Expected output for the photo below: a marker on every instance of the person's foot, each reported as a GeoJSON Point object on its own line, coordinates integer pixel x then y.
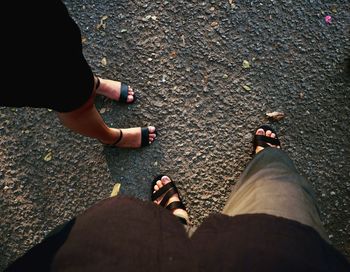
{"type": "Point", "coordinates": [112, 90]}
{"type": "Point", "coordinates": [131, 137]}
{"type": "Point", "coordinates": [179, 212]}
{"type": "Point", "coordinates": [268, 134]}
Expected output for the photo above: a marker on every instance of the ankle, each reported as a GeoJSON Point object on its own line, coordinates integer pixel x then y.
{"type": "Point", "coordinates": [112, 138]}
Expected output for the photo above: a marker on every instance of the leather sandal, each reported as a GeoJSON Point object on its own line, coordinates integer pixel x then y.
{"type": "Point", "coordinates": [144, 138]}
{"type": "Point", "coordinates": [124, 88]}
{"type": "Point", "coordinates": [167, 191]}
{"type": "Point", "coordinates": [264, 141]}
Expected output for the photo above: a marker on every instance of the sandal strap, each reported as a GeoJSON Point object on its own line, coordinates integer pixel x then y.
{"type": "Point", "coordinates": [117, 141]}
{"type": "Point", "coordinates": [262, 140]}
{"type": "Point", "coordinates": [119, 138]}
{"type": "Point", "coordinates": [176, 205]}
{"type": "Point", "coordinates": [167, 196]}
{"type": "Point", "coordinates": [98, 82]}
{"type": "Point", "coordinates": [182, 220]}
{"type": "Point", "coordinates": [123, 92]}
{"type": "Point", "coordinates": [144, 136]}
{"type": "Point", "coordinates": [162, 190]}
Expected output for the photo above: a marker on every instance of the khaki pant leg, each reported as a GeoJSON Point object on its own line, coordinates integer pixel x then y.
{"type": "Point", "coordinates": [271, 185]}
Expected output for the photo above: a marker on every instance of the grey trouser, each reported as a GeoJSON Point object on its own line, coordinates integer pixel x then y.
{"type": "Point", "coordinates": [270, 184]}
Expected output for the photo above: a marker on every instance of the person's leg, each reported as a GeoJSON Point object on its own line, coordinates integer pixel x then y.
{"type": "Point", "coordinates": [87, 121]}
{"type": "Point", "coordinates": [271, 184]}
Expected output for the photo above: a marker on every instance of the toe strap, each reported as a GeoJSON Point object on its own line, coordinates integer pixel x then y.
{"type": "Point", "coordinates": [144, 137]}
{"type": "Point", "coordinates": [172, 191]}
{"type": "Point", "coordinates": [123, 92]}
{"type": "Point", "coordinates": [262, 140]}
{"type": "Point", "coordinates": [162, 190]}
{"type": "Point", "coordinates": [169, 190]}
{"type": "Point", "coordinates": [176, 205]}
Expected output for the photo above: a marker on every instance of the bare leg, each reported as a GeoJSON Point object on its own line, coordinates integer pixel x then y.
{"type": "Point", "coordinates": [88, 122]}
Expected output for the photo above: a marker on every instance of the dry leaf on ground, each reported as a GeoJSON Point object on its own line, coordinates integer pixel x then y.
{"type": "Point", "coordinates": [48, 156]}
{"type": "Point", "coordinates": [276, 115]}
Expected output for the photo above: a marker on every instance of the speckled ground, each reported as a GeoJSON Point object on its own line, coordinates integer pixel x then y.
{"type": "Point", "coordinates": [185, 58]}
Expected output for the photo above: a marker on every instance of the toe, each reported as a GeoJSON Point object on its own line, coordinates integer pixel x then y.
{"type": "Point", "coordinates": [159, 184]}
{"type": "Point", "coordinates": [156, 188]}
{"type": "Point", "coordinates": [165, 179]}
{"type": "Point", "coordinates": [268, 133]}
{"type": "Point", "coordinates": [130, 98]}
{"type": "Point", "coordinates": [273, 135]}
{"type": "Point", "coordinates": [260, 131]}
{"type": "Point", "coordinates": [151, 129]}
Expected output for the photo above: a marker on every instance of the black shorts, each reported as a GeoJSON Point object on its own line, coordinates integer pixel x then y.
{"type": "Point", "coordinates": [42, 58]}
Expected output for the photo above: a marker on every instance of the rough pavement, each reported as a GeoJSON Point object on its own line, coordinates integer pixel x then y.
{"type": "Point", "coordinates": [185, 58]}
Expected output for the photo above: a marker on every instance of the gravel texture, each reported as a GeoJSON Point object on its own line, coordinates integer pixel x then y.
{"type": "Point", "coordinates": [186, 60]}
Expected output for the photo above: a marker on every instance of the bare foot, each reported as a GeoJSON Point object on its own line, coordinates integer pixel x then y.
{"type": "Point", "coordinates": [111, 89]}
{"type": "Point", "coordinates": [269, 134]}
{"type": "Point", "coordinates": [177, 212]}
{"type": "Point", "coordinates": [132, 137]}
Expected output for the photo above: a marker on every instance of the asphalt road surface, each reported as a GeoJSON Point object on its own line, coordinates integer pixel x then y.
{"type": "Point", "coordinates": [207, 72]}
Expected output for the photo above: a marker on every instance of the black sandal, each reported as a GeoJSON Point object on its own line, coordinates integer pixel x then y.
{"type": "Point", "coordinates": [124, 88]}
{"type": "Point", "coordinates": [144, 138]}
{"type": "Point", "coordinates": [264, 141]}
{"type": "Point", "coordinates": [168, 191]}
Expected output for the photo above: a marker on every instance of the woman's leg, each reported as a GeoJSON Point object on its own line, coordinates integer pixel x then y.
{"type": "Point", "coordinates": [271, 184]}
{"type": "Point", "coordinates": [87, 121]}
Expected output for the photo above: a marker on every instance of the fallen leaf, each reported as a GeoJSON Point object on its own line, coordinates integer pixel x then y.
{"type": "Point", "coordinates": [247, 88]}
{"type": "Point", "coordinates": [48, 156]}
{"type": "Point", "coordinates": [214, 24]}
{"type": "Point", "coordinates": [246, 64]}
{"type": "Point", "coordinates": [173, 54]}
{"type": "Point", "coordinates": [276, 115]}
{"type": "Point", "coordinates": [183, 40]}
{"type": "Point", "coordinates": [147, 17]}
{"type": "Point", "coordinates": [102, 23]}
{"type": "Point", "coordinates": [123, 30]}
{"type": "Point", "coordinates": [103, 110]}
{"type": "Point", "coordinates": [231, 2]}
{"type": "Point", "coordinates": [104, 61]}
{"type": "Point", "coordinates": [225, 76]}
{"type": "Point", "coordinates": [116, 189]}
